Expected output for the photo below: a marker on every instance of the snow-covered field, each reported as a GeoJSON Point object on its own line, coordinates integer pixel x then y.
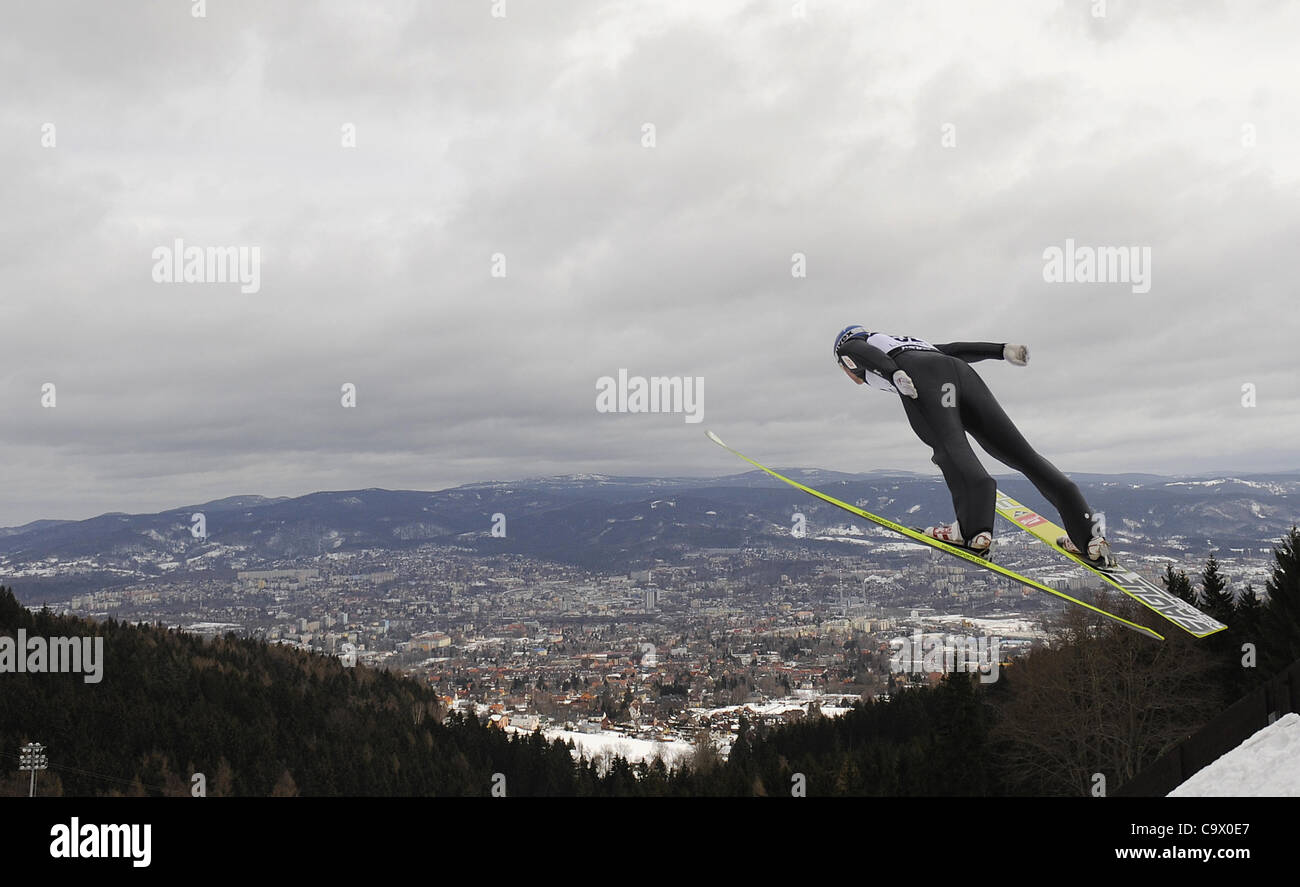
{"type": "Point", "coordinates": [1004, 626]}
{"type": "Point", "coordinates": [1265, 765]}
{"type": "Point", "coordinates": [606, 744]}
{"type": "Point", "coordinates": [779, 706]}
{"type": "Point", "coordinates": [595, 745]}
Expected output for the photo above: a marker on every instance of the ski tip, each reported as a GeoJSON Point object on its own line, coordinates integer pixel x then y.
{"type": "Point", "coordinates": [713, 437]}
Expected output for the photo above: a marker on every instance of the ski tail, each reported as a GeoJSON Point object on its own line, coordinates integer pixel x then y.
{"type": "Point", "coordinates": [1145, 592]}
{"type": "Point", "coordinates": [957, 551]}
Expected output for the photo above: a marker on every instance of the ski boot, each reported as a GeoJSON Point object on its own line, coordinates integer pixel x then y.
{"type": "Point", "coordinates": [1098, 553]}
{"type": "Point", "coordinates": [981, 544]}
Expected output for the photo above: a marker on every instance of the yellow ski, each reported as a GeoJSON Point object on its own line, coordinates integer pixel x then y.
{"type": "Point", "coordinates": [957, 551]}
{"type": "Point", "coordinates": [1150, 595]}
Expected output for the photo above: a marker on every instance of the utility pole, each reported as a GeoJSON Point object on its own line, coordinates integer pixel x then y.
{"type": "Point", "coordinates": [32, 757]}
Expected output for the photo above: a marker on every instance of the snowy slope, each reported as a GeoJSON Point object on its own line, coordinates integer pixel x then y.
{"type": "Point", "coordinates": [1267, 763]}
{"type": "Point", "coordinates": [594, 745]}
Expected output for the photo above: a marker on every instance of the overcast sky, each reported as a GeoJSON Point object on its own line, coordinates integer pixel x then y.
{"type": "Point", "coordinates": [1163, 125]}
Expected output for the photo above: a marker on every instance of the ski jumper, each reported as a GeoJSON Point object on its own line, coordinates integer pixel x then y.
{"type": "Point", "coordinates": [942, 417]}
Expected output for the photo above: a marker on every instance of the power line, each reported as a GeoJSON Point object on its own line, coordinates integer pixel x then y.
{"type": "Point", "coordinates": [67, 768]}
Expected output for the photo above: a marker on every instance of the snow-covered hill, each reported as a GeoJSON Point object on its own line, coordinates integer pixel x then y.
{"type": "Point", "coordinates": [1266, 764]}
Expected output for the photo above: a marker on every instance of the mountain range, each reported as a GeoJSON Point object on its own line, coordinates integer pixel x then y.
{"type": "Point", "coordinates": [606, 522]}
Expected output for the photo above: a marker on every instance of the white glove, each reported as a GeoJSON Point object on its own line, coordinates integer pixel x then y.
{"type": "Point", "coordinates": [1016, 354]}
{"type": "Point", "coordinates": [903, 382]}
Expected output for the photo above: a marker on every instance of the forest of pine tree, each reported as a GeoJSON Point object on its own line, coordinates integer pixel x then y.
{"type": "Point", "coordinates": [260, 719]}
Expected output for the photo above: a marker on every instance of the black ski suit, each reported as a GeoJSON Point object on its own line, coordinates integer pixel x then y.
{"type": "Point", "coordinates": [942, 417]}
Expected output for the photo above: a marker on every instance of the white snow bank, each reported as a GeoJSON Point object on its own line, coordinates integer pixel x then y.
{"type": "Point", "coordinates": [595, 744]}
{"type": "Point", "coordinates": [1266, 764]}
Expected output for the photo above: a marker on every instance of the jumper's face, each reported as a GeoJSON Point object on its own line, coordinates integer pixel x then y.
{"type": "Point", "coordinates": [848, 372]}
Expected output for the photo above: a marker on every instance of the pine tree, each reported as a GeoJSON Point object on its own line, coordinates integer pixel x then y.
{"type": "Point", "coordinates": [285, 787]}
{"type": "Point", "coordinates": [1249, 609]}
{"type": "Point", "coordinates": [1176, 582]}
{"type": "Point", "coordinates": [1216, 599]}
{"type": "Point", "coordinates": [1280, 617]}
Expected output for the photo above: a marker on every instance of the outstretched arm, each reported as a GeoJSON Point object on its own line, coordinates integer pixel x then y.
{"type": "Point", "coordinates": [973, 351]}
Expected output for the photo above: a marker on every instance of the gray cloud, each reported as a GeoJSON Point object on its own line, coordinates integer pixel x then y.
{"type": "Point", "coordinates": [522, 136]}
